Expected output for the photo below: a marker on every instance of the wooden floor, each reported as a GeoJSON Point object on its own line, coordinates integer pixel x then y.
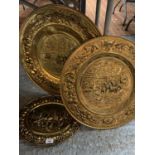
{"type": "Point", "coordinates": [116, 27]}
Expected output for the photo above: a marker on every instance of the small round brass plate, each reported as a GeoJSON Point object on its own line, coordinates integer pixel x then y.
{"type": "Point", "coordinates": [45, 121]}
{"type": "Point", "coordinates": [97, 84]}
{"type": "Point", "coordinates": [48, 36]}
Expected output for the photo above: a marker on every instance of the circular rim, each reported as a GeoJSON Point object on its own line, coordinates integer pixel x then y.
{"type": "Point", "coordinates": [40, 139]}
{"type": "Point", "coordinates": [130, 111]}
{"type": "Point", "coordinates": [50, 84]}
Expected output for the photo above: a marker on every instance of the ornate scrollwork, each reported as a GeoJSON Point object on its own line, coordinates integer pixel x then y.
{"type": "Point", "coordinates": [46, 118]}
{"type": "Point", "coordinates": [88, 85]}
{"type": "Point", "coordinates": [41, 18]}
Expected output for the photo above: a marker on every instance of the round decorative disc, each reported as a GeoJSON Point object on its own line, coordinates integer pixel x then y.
{"type": "Point", "coordinates": [47, 38]}
{"type": "Point", "coordinates": [45, 121]}
{"type": "Point", "coordinates": [98, 84]}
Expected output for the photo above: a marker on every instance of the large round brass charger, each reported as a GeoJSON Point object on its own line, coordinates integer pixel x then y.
{"type": "Point", "coordinates": [97, 84]}
{"type": "Point", "coordinates": [48, 36]}
{"type": "Point", "coordinates": [46, 122]}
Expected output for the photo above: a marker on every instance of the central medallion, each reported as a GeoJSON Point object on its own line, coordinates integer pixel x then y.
{"type": "Point", "coordinates": [105, 85]}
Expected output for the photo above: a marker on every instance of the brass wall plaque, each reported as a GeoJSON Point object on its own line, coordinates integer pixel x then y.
{"type": "Point", "coordinates": [97, 84]}
{"type": "Point", "coordinates": [45, 121]}
{"type": "Point", "coordinates": [48, 36]}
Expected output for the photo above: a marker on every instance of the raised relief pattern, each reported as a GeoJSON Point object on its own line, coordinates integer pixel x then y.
{"type": "Point", "coordinates": [101, 83]}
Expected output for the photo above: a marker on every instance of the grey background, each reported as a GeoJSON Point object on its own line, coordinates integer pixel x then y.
{"type": "Point", "coordinates": [86, 141]}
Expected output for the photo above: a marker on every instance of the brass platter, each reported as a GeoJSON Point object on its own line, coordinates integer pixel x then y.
{"type": "Point", "coordinates": [48, 36]}
{"type": "Point", "coordinates": [97, 84]}
{"type": "Point", "coordinates": [45, 121]}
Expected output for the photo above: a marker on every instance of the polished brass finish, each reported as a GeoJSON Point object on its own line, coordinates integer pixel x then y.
{"type": "Point", "coordinates": [47, 38]}
{"type": "Point", "coordinates": [46, 122]}
{"type": "Point", "coordinates": [97, 85]}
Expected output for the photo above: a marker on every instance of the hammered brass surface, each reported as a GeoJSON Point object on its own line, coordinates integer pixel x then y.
{"type": "Point", "coordinates": [47, 38]}
{"type": "Point", "coordinates": [45, 121]}
{"type": "Point", "coordinates": [98, 83]}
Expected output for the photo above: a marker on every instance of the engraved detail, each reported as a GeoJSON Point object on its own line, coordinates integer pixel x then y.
{"type": "Point", "coordinates": [50, 21]}
{"type": "Point", "coordinates": [113, 86]}
{"type": "Point", "coordinates": [105, 85]}
{"type": "Point", "coordinates": [53, 50]}
{"type": "Point", "coordinates": [49, 121]}
{"type": "Point", "coordinates": [46, 118]}
{"type": "Point", "coordinates": [61, 59]}
{"type": "Point", "coordinates": [98, 83]}
{"type": "Point", "coordinates": [109, 84]}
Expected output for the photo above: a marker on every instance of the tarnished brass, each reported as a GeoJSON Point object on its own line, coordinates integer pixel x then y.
{"type": "Point", "coordinates": [47, 38]}
{"type": "Point", "coordinates": [98, 84]}
{"type": "Point", "coordinates": [45, 121]}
